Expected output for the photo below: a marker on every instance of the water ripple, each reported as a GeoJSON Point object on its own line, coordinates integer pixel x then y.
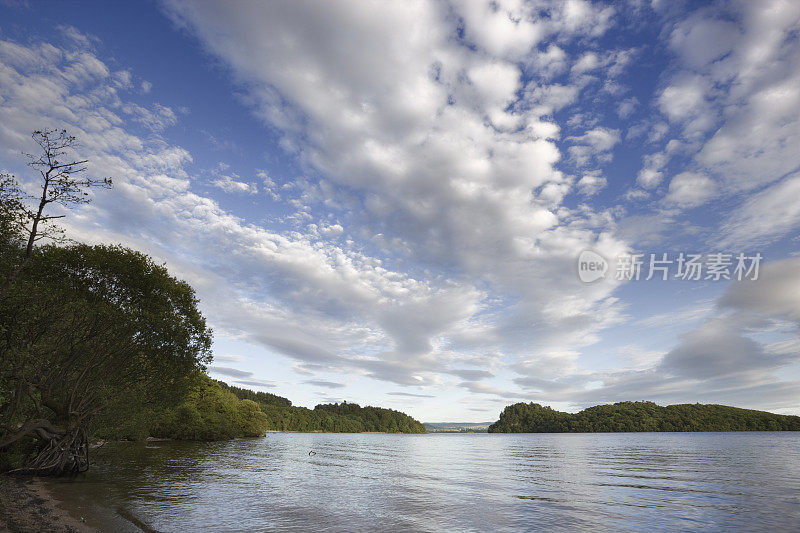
{"type": "Point", "coordinates": [552, 482]}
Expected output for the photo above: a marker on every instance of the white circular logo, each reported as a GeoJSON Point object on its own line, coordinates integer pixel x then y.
{"type": "Point", "coordinates": [591, 266]}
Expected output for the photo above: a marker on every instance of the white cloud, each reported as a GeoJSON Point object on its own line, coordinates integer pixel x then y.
{"type": "Point", "coordinates": [720, 361]}
{"type": "Point", "coordinates": [71, 33]}
{"type": "Point", "coordinates": [651, 174]}
{"type": "Point", "coordinates": [595, 143]}
{"type": "Point", "coordinates": [766, 216]}
{"type": "Point", "coordinates": [550, 62]}
{"type": "Point", "coordinates": [690, 189]}
{"type": "Point", "coordinates": [429, 241]}
{"type": "Point", "coordinates": [502, 30]}
{"type": "Point", "coordinates": [626, 108]}
{"type": "Point", "coordinates": [547, 99]}
{"type": "Point", "coordinates": [319, 302]}
{"type": "Point", "coordinates": [737, 92]}
{"type": "Point", "coordinates": [700, 40]}
{"type": "Point", "coordinates": [231, 185]}
{"type": "Point", "coordinates": [684, 98]}
{"type": "Point", "coordinates": [400, 128]}
{"type": "Point", "coordinates": [157, 118]}
{"type": "Point", "coordinates": [495, 82]}
{"type": "Point", "coordinates": [591, 183]}
{"type": "Point", "coordinates": [649, 178]}
{"type": "Point", "coordinates": [588, 61]}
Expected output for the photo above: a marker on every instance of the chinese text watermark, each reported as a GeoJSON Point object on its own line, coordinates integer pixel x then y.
{"type": "Point", "coordinates": [665, 266]}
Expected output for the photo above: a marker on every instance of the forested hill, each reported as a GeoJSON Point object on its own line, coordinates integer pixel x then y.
{"type": "Point", "coordinates": [342, 418]}
{"type": "Point", "coordinates": [261, 398]}
{"type": "Point", "coordinates": [639, 416]}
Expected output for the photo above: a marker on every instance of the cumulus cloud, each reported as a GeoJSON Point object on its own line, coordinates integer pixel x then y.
{"type": "Point", "coordinates": [596, 142]}
{"type": "Point", "coordinates": [231, 185]}
{"type": "Point", "coordinates": [591, 183]}
{"type": "Point", "coordinates": [649, 177]}
{"type": "Point", "coordinates": [431, 240]}
{"type": "Point", "coordinates": [701, 39]}
{"type": "Point", "coordinates": [461, 174]}
{"type": "Point", "coordinates": [684, 100]}
{"type": "Point", "coordinates": [735, 94]}
{"type": "Point", "coordinates": [690, 189]}
{"type": "Point", "coordinates": [310, 281]}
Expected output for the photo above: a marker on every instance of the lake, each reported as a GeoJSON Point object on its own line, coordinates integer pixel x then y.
{"type": "Point", "coordinates": [448, 482]}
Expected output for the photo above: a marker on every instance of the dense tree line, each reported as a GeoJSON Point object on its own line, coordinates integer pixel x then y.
{"type": "Point", "coordinates": [214, 410]}
{"type": "Point", "coordinates": [639, 416]}
{"type": "Point", "coordinates": [261, 398]}
{"type": "Point", "coordinates": [337, 417]}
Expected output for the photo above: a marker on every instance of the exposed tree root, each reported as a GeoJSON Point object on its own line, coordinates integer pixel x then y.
{"type": "Point", "coordinates": [63, 452]}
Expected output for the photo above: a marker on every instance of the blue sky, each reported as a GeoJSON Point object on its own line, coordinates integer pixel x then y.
{"type": "Point", "coordinates": [385, 202]}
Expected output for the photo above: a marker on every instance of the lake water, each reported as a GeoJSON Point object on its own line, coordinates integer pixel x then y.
{"type": "Point", "coordinates": [449, 482]}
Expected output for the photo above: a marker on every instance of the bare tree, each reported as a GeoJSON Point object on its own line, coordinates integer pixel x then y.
{"type": "Point", "coordinates": [61, 183]}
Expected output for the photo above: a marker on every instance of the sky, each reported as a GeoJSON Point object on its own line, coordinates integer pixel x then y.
{"type": "Point", "coordinates": [386, 202]}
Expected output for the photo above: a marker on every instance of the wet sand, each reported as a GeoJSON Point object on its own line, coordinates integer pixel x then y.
{"type": "Point", "coordinates": [26, 505]}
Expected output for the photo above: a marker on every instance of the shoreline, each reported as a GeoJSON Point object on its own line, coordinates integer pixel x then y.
{"type": "Point", "coordinates": [341, 432]}
{"type": "Point", "coordinates": [27, 505]}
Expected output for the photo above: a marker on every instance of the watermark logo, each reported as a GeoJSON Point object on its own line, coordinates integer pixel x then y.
{"type": "Point", "coordinates": [665, 266]}
{"type": "Point", "coordinates": [591, 266]}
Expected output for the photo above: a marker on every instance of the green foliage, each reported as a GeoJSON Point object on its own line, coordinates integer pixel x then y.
{"type": "Point", "coordinates": [261, 398]}
{"type": "Point", "coordinates": [210, 412]}
{"type": "Point", "coordinates": [94, 337]}
{"type": "Point", "coordinates": [214, 410]}
{"type": "Point", "coordinates": [13, 215]}
{"type": "Point", "coordinates": [370, 418]}
{"type": "Point", "coordinates": [336, 418]}
{"type": "Point", "coordinates": [99, 322]}
{"type": "Point", "coordinates": [639, 416]}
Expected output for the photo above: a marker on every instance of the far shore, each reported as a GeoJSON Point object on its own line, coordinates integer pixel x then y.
{"type": "Point", "coordinates": [347, 432]}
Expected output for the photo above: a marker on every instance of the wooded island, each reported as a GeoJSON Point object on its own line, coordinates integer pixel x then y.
{"type": "Point", "coordinates": [639, 416]}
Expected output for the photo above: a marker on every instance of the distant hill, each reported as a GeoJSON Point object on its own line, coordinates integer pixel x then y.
{"type": "Point", "coordinates": [639, 416]}
{"type": "Point", "coordinates": [334, 417]}
{"type": "Point", "coordinates": [457, 427]}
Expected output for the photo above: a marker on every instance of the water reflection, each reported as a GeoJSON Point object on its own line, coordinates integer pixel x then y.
{"type": "Point", "coordinates": [603, 482]}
